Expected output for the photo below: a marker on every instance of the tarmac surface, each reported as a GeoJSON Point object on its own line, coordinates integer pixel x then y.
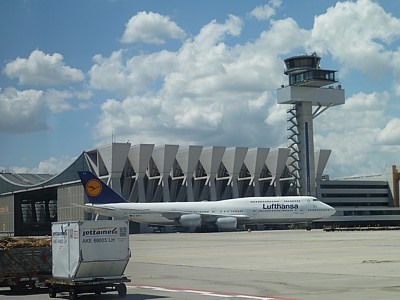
{"type": "Point", "coordinates": [274, 265]}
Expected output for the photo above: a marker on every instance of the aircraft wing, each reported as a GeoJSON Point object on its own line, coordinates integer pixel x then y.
{"type": "Point", "coordinates": [210, 218]}
{"type": "Point", "coordinates": [206, 217]}
{"type": "Point", "coordinates": [171, 215]}
{"type": "Point", "coordinates": [104, 211]}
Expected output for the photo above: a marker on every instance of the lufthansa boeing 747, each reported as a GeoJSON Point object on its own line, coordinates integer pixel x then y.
{"type": "Point", "coordinates": [224, 214]}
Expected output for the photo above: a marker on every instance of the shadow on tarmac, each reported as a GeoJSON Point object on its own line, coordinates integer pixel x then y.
{"type": "Point", "coordinates": [112, 295]}
{"type": "Point", "coordinates": [25, 292]}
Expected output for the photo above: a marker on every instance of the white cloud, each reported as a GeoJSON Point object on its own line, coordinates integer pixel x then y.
{"type": "Point", "coordinates": [360, 36]}
{"type": "Point", "coordinates": [63, 100]}
{"type": "Point", "coordinates": [42, 69]}
{"type": "Point", "coordinates": [217, 90]}
{"type": "Point", "coordinates": [396, 66]}
{"type": "Point", "coordinates": [202, 61]}
{"type": "Point", "coordinates": [136, 75]}
{"type": "Point", "coordinates": [396, 87]}
{"type": "Point", "coordinates": [282, 38]}
{"type": "Point", "coordinates": [266, 11]}
{"type": "Point", "coordinates": [51, 165]}
{"type": "Point", "coordinates": [192, 116]}
{"type": "Point", "coordinates": [57, 100]}
{"type": "Point", "coordinates": [390, 135]}
{"type": "Point", "coordinates": [151, 28]}
{"type": "Point", "coordinates": [25, 111]}
{"type": "Point", "coordinates": [360, 112]}
{"type": "Point", "coordinates": [21, 111]}
{"type": "Point", "coordinates": [351, 130]}
{"type": "Point", "coordinates": [260, 102]}
{"type": "Point", "coordinates": [357, 35]}
{"type": "Point", "coordinates": [123, 117]}
{"type": "Point", "coordinates": [214, 32]}
{"type": "Point", "coordinates": [354, 152]}
{"type": "Point", "coordinates": [206, 92]}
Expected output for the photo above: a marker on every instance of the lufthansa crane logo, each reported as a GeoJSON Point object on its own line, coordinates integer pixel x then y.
{"type": "Point", "coordinates": [93, 187]}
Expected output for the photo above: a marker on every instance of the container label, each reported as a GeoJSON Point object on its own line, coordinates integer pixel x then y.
{"type": "Point", "coordinates": [99, 231]}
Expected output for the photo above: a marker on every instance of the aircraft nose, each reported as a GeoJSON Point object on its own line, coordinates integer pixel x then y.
{"type": "Point", "coordinates": [332, 211]}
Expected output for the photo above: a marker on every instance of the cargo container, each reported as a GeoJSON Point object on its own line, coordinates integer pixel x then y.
{"type": "Point", "coordinates": [89, 256]}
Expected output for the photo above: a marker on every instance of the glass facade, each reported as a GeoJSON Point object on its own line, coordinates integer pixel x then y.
{"type": "Point", "coordinates": [7, 215]}
{"type": "Point", "coordinates": [67, 197]}
{"type": "Point", "coordinates": [312, 75]}
{"type": "Point", "coordinates": [301, 63]}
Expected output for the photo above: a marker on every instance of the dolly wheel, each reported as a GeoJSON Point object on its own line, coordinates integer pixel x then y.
{"type": "Point", "coordinates": [52, 292]}
{"type": "Point", "coordinates": [73, 294]}
{"type": "Point", "coordinates": [14, 289]}
{"type": "Point", "coordinates": [121, 288]}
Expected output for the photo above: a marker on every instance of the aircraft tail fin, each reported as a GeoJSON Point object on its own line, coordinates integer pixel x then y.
{"type": "Point", "coordinates": [97, 191]}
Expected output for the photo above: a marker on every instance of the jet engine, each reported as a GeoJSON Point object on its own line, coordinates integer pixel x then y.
{"type": "Point", "coordinates": [190, 220]}
{"type": "Point", "coordinates": [226, 223]}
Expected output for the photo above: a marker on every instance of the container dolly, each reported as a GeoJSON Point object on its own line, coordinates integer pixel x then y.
{"type": "Point", "coordinates": [90, 285]}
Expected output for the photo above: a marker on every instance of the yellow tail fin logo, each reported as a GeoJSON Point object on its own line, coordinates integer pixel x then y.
{"type": "Point", "coordinates": [93, 187]}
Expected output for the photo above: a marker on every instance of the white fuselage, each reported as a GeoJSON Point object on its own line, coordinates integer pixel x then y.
{"type": "Point", "coordinates": [251, 210]}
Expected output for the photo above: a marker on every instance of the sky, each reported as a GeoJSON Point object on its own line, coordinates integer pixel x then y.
{"type": "Point", "coordinates": [75, 75]}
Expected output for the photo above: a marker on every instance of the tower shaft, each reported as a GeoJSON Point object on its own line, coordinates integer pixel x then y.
{"type": "Point", "coordinates": [306, 149]}
{"type": "Point", "coordinates": [309, 86]}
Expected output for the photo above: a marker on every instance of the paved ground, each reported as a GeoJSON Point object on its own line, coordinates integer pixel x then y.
{"type": "Point", "coordinates": [275, 265]}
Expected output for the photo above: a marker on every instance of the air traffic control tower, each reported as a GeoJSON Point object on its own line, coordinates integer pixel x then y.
{"type": "Point", "coordinates": [311, 91]}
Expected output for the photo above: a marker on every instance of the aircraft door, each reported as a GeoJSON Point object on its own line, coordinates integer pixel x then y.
{"type": "Point", "coordinates": [302, 208]}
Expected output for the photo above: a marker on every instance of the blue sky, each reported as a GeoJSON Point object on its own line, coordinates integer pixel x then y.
{"type": "Point", "coordinates": [76, 73]}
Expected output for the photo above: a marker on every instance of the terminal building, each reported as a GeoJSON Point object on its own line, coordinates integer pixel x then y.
{"type": "Point", "coordinates": [174, 173]}
{"type": "Point", "coordinates": [149, 173]}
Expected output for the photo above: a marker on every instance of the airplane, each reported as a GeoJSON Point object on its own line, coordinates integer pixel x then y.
{"type": "Point", "coordinates": [222, 215]}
